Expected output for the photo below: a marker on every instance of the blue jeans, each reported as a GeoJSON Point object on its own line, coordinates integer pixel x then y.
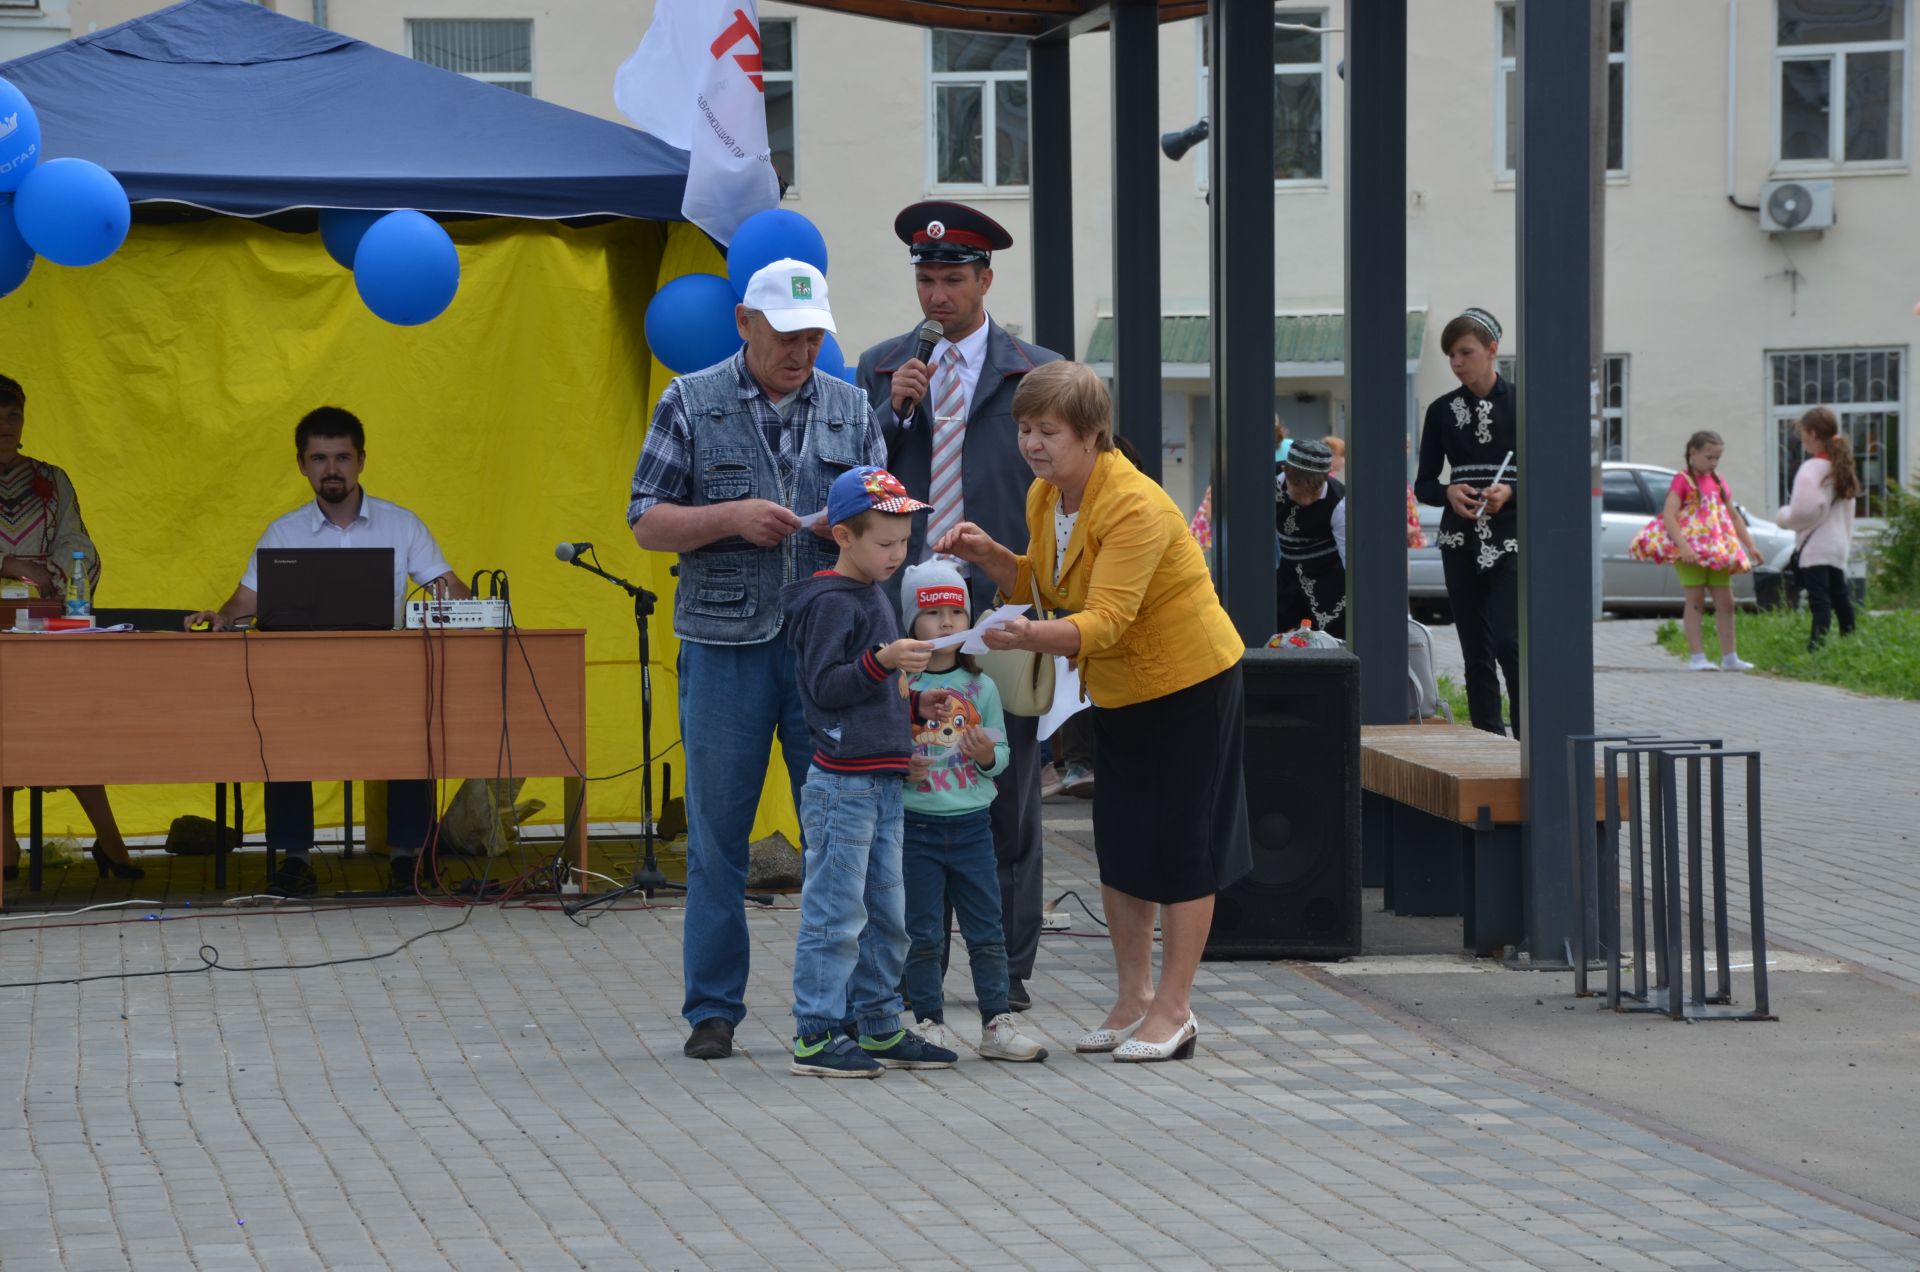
{"type": "Point", "coordinates": [732, 699]}
{"type": "Point", "coordinates": [853, 934]}
{"type": "Point", "coordinates": [951, 859]}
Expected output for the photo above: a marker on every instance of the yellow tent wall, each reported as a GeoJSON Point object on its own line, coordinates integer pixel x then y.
{"type": "Point", "coordinates": [168, 379]}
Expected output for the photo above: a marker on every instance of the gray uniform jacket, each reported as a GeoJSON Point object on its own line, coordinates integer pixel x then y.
{"type": "Point", "coordinates": [993, 477]}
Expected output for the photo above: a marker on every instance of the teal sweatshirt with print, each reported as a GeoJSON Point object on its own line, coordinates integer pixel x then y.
{"type": "Point", "coordinates": [956, 784]}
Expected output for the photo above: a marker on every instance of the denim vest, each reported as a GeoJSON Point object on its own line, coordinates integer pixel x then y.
{"type": "Point", "coordinates": [729, 591]}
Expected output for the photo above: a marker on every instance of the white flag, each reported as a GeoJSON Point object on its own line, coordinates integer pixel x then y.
{"type": "Point", "coordinates": [695, 83]}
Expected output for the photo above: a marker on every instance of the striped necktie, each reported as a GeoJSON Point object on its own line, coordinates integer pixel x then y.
{"type": "Point", "coordinates": [949, 439]}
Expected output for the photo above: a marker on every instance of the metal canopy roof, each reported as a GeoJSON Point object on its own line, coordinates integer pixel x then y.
{"type": "Point", "coordinates": [1000, 17]}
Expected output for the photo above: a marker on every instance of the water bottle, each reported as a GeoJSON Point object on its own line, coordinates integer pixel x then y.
{"type": "Point", "coordinates": [79, 603]}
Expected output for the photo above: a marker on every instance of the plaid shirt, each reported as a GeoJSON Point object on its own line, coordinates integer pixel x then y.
{"type": "Point", "coordinates": [665, 471]}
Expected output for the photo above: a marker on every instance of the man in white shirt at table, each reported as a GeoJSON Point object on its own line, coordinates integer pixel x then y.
{"type": "Point", "coordinates": [330, 444]}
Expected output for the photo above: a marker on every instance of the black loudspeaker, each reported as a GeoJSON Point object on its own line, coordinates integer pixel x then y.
{"type": "Point", "coordinates": [1302, 753]}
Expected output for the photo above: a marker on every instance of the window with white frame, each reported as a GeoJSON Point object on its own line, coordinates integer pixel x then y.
{"type": "Point", "coordinates": [494, 52]}
{"type": "Point", "coordinates": [1840, 87]}
{"type": "Point", "coordinates": [1506, 96]}
{"type": "Point", "coordinates": [776, 73]}
{"type": "Point", "coordinates": [1613, 398]}
{"type": "Point", "coordinates": [1613, 406]}
{"type": "Point", "coordinates": [979, 114]}
{"type": "Point", "coordinates": [1299, 97]}
{"type": "Point", "coordinates": [1863, 387]}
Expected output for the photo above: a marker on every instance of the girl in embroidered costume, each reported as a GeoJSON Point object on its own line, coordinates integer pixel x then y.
{"type": "Point", "coordinates": [40, 530]}
{"type": "Point", "coordinates": [1714, 545]}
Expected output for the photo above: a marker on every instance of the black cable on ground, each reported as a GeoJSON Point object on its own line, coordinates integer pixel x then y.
{"type": "Point", "coordinates": [210, 962]}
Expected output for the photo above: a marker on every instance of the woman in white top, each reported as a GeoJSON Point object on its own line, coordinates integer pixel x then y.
{"type": "Point", "coordinates": [1821, 517]}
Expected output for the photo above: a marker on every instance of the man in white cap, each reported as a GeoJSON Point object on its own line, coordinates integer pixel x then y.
{"type": "Point", "coordinates": [736, 455]}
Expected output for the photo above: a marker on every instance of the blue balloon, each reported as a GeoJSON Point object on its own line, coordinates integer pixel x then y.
{"type": "Point", "coordinates": [690, 323]}
{"type": "Point", "coordinates": [341, 229]}
{"type": "Point", "coordinates": [19, 137]}
{"type": "Point", "coordinates": [773, 235]}
{"type": "Point", "coordinates": [830, 360]}
{"type": "Point", "coordinates": [16, 258]}
{"type": "Point", "coordinates": [407, 268]}
{"type": "Point", "coordinates": [72, 212]}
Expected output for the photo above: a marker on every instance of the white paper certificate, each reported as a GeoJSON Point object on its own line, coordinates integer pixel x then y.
{"type": "Point", "coordinates": [1066, 697]}
{"type": "Point", "coordinates": [969, 640]}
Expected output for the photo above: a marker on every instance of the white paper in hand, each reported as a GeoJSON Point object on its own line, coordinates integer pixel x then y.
{"type": "Point", "coordinates": [994, 618]}
{"type": "Point", "coordinates": [813, 519]}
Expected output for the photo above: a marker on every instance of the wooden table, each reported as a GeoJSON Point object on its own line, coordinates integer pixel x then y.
{"type": "Point", "coordinates": [328, 706]}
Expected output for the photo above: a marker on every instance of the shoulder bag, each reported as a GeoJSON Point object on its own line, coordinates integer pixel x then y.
{"type": "Point", "coordinates": [1023, 676]}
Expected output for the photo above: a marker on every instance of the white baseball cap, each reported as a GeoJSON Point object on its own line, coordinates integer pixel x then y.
{"type": "Point", "coordinates": [792, 294]}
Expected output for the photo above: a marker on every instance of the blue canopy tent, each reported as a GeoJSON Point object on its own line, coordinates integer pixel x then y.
{"type": "Point", "coordinates": [225, 105]}
{"type": "Point", "coordinates": [181, 363]}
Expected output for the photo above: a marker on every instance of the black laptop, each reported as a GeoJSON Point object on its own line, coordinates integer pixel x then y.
{"type": "Point", "coordinates": [324, 589]}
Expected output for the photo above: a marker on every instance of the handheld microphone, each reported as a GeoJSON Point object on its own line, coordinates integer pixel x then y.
{"type": "Point", "coordinates": [568, 551]}
{"type": "Point", "coordinates": [931, 333]}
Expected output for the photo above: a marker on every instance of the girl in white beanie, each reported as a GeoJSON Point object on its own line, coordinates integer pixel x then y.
{"type": "Point", "coordinates": [947, 856]}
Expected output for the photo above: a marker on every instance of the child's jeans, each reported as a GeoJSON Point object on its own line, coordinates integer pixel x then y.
{"type": "Point", "coordinates": [853, 937]}
{"type": "Point", "coordinates": [951, 859]}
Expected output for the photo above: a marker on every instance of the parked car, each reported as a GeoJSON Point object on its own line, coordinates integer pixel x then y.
{"type": "Point", "coordinates": [1631, 495]}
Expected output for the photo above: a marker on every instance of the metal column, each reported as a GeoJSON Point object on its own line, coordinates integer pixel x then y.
{"type": "Point", "coordinates": [1136, 226]}
{"type": "Point", "coordinates": [1240, 154]}
{"type": "Point", "coordinates": [1376, 98]}
{"type": "Point", "coordinates": [1051, 186]}
{"type": "Point", "coordinates": [1554, 183]}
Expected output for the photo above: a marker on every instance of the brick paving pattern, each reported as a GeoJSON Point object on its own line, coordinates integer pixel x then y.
{"type": "Point", "coordinates": [511, 1095]}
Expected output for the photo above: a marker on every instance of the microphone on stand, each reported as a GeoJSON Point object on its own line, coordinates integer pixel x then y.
{"type": "Point", "coordinates": [572, 554]}
{"type": "Point", "coordinates": [931, 333]}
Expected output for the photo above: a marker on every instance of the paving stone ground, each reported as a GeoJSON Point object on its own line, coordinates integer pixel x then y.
{"type": "Point", "coordinates": [511, 1095]}
{"type": "Point", "coordinates": [1840, 789]}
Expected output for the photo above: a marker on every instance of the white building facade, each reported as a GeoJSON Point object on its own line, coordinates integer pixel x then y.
{"type": "Point", "coordinates": [1712, 320]}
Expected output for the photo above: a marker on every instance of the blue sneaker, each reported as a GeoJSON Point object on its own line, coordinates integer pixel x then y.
{"type": "Point", "coordinates": [832, 1055]}
{"type": "Point", "coordinates": [907, 1050]}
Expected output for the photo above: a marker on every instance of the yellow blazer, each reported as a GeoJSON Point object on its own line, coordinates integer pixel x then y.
{"type": "Point", "coordinates": [1135, 584]}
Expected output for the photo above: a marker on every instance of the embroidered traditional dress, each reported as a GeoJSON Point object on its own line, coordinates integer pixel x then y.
{"type": "Point", "coordinates": [40, 520]}
{"type": "Point", "coordinates": [1309, 549]}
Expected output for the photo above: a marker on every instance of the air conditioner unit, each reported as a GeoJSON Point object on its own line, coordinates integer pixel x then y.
{"type": "Point", "coordinates": [1793, 207]}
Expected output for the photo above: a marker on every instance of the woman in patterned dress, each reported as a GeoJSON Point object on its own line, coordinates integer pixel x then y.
{"type": "Point", "coordinates": [40, 530]}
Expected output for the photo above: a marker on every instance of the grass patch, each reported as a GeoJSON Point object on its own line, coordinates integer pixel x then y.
{"type": "Point", "coordinates": [1882, 657]}
{"type": "Point", "coordinates": [1454, 694]}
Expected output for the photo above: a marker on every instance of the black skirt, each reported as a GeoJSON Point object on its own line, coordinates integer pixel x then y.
{"type": "Point", "coordinates": [1170, 805]}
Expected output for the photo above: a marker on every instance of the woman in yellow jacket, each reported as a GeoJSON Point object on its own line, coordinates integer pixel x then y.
{"type": "Point", "coordinates": [1160, 660]}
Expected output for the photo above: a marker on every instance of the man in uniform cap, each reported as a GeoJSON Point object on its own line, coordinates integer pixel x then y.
{"type": "Point", "coordinates": [948, 423]}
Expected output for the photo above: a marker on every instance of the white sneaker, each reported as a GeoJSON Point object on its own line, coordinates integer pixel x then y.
{"type": "Point", "coordinates": [1002, 1040]}
{"type": "Point", "coordinates": [939, 1035]}
{"type": "Point", "coordinates": [1699, 663]}
{"type": "Point", "coordinates": [1734, 662]}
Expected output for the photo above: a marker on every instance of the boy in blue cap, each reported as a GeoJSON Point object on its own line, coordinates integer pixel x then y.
{"type": "Point", "coordinates": [847, 648]}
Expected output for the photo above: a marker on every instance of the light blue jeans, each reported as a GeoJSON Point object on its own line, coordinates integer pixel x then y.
{"type": "Point", "coordinates": [853, 924]}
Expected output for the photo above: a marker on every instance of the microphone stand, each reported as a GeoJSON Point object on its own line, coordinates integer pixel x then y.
{"type": "Point", "coordinates": [647, 878]}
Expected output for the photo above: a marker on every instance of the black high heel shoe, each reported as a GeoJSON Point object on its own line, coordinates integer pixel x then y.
{"type": "Point", "coordinates": [120, 869]}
